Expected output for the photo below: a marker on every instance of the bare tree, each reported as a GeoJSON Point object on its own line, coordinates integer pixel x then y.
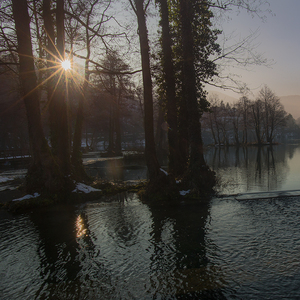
{"type": "Point", "coordinates": [88, 11]}
{"type": "Point", "coordinates": [213, 116]}
{"type": "Point", "coordinates": [114, 83]}
{"type": "Point", "coordinates": [257, 110]}
{"type": "Point", "coordinates": [244, 108]}
{"type": "Point", "coordinates": [237, 52]}
{"type": "Point", "coordinates": [274, 113]}
{"type": "Point", "coordinates": [236, 119]}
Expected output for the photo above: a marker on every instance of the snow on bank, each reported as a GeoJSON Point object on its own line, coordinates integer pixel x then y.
{"type": "Point", "coordinates": [83, 188]}
{"type": "Point", "coordinates": [164, 171]}
{"type": "Point", "coordinates": [5, 179]}
{"type": "Point", "coordinates": [80, 187]}
{"type": "Point", "coordinates": [183, 193]}
{"type": "Point", "coordinates": [35, 195]}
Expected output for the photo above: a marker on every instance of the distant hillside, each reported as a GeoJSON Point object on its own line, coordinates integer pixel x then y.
{"type": "Point", "coordinates": [291, 105]}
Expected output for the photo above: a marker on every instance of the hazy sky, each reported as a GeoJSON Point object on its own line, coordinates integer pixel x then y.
{"type": "Point", "coordinates": [279, 40]}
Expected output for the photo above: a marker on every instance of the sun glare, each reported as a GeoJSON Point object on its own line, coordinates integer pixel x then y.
{"type": "Point", "coordinates": [66, 65]}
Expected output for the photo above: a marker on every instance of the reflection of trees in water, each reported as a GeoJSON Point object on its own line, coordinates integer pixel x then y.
{"type": "Point", "coordinates": [120, 219]}
{"type": "Point", "coordinates": [180, 267]}
{"type": "Point", "coordinates": [123, 249]}
{"type": "Point", "coordinates": [263, 168]}
{"type": "Point", "coordinates": [122, 229]}
{"type": "Point", "coordinates": [68, 265]}
{"type": "Point", "coordinates": [118, 169]}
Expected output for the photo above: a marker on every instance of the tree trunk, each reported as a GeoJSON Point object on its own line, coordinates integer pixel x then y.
{"type": "Point", "coordinates": [43, 174]}
{"type": "Point", "coordinates": [174, 154]}
{"type": "Point", "coordinates": [189, 81]}
{"type": "Point", "coordinates": [183, 131]}
{"type": "Point", "coordinates": [118, 143]}
{"type": "Point", "coordinates": [160, 134]}
{"type": "Point", "coordinates": [112, 116]}
{"type": "Point", "coordinates": [236, 133]}
{"type": "Point", "coordinates": [62, 129]}
{"type": "Point", "coordinates": [76, 158]}
{"type": "Point", "coordinates": [245, 129]}
{"type": "Point", "coordinates": [199, 175]}
{"type": "Point", "coordinates": [150, 152]}
{"type": "Point", "coordinates": [212, 128]}
{"type": "Point", "coordinates": [257, 122]}
{"type": "Point", "coordinates": [51, 52]}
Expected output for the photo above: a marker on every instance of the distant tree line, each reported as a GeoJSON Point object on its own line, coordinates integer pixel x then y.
{"type": "Point", "coordinates": [261, 121]}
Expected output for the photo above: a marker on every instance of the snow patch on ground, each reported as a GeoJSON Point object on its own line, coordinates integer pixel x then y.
{"type": "Point", "coordinates": [13, 157]}
{"type": "Point", "coordinates": [5, 179]}
{"type": "Point", "coordinates": [164, 171]}
{"type": "Point", "coordinates": [35, 195]}
{"type": "Point", "coordinates": [183, 193]}
{"type": "Point", "coordinates": [83, 188]}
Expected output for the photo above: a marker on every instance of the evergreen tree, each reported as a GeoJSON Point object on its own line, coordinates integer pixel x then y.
{"type": "Point", "coordinates": [193, 44]}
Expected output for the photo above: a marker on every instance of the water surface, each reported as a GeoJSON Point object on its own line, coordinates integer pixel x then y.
{"type": "Point", "coordinates": [235, 247]}
{"type": "Point", "coordinates": [123, 249]}
{"type": "Point", "coordinates": [256, 169]}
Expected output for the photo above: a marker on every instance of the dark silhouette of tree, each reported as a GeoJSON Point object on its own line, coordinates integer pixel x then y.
{"type": "Point", "coordinates": [43, 172]}
{"type": "Point", "coordinates": [87, 12]}
{"type": "Point", "coordinates": [235, 116]}
{"type": "Point", "coordinates": [139, 8]}
{"type": "Point", "coordinates": [258, 121]}
{"type": "Point", "coordinates": [13, 124]}
{"type": "Point", "coordinates": [244, 108]}
{"type": "Point", "coordinates": [61, 130]}
{"type": "Point", "coordinates": [170, 90]}
{"type": "Point", "coordinates": [198, 175]}
{"type": "Point", "coordinates": [50, 68]}
{"type": "Point", "coordinates": [274, 113]}
{"type": "Point", "coordinates": [114, 83]}
{"type": "Point", "coordinates": [187, 44]}
{"type": "Point", "coordinates": [56, 85]}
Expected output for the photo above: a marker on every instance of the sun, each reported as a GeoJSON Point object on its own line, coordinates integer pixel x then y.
{"type": "Point", "coordinates": [66, 64]}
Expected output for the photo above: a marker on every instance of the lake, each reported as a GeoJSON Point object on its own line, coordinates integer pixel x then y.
{"type": "Point", "coordinates": [239, 170]}
{"type": "Point", "coordinates": [234, 246]}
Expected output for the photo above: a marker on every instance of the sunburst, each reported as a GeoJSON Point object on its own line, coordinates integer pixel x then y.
{"type": "Point", "coordinates": [66, 64]}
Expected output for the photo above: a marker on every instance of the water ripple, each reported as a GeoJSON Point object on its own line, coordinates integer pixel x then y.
{"type": "Point", "coordinates": [229, 248]}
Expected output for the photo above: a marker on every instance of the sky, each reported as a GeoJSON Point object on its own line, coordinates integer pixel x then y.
{"type": "Point", "coordinates": [278, 41]}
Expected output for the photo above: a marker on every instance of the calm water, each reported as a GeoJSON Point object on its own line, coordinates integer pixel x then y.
{"type": "Point", "coordinates": [256, 169]}
{"type": "Point", "coordinates": [241, 170]}
{"type": "Point", "coordinates": [121, 248]}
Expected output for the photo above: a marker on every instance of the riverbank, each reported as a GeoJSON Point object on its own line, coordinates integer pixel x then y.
{"type": "Point", "coordinates": [9, 195]}
{"type": "Point", "coordinates": [16, 199]}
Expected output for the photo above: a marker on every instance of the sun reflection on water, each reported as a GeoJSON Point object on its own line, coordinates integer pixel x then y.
{"type": "Point", "coordinates": [80, 230]}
